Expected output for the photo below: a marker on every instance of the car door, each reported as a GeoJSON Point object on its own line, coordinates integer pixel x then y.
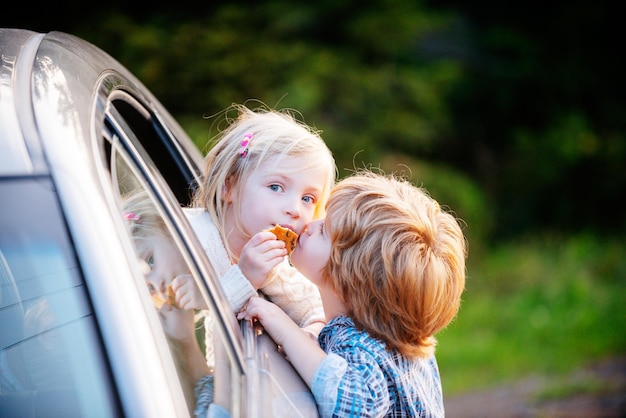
{"type": "Point", "coordinates": [143, 154]}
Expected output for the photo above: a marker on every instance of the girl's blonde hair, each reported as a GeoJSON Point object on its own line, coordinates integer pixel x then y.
{"type": "Point", "coordinates": [143, 218]}
{"type": "Point", "coordinates": [274, 134]}
{"type": "Point", "coordinates": [397, 260]}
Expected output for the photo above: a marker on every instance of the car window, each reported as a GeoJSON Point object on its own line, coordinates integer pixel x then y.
{"type": "Point", "coordinates": [171, 159]}
{"type": "Point", "coordinates": [142, 203]}
{"type": "Point", "coordinates": [51, 357]}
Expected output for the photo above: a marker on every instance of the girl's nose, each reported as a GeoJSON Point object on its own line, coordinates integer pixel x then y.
{"type": "Point", "coordinates": [156, 285]}
{"type": "Point", "coordinates": [293, 210]}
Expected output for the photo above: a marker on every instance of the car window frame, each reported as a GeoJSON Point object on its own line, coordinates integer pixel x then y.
{"type": "Point", "coordinates": [131, 147]}
{"type": "Point", "coordinates": [172, 210]}
{"type": "Point", "coordinates": [254, 357]}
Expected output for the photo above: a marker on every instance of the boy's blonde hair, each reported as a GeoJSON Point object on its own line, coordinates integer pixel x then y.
{"type": "Point", "coordinates": [397, 260]}
{"type": "Point", "coordinates": [275, 134]}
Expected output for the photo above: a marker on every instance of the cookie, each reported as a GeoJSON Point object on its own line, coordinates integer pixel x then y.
{"type": "Point", "coordinates": [171, 298]}
{"type": "Point", "coordinates": [286, 235]}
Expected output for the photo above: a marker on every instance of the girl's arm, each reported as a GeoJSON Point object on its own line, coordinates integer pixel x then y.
{"type": "Point", "coordinates": [179, 326]}
{"type": "Point", "coordinates": [300, 348]}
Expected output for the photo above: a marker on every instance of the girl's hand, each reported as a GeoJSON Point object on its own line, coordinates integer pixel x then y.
{"type": "Point", "coordinates": [259, 256]}
{"type": "Point", "coordinates": [187, 293]}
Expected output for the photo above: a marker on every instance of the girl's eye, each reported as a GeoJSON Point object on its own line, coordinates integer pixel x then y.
{"type": "Point", "coordinates": [150, 261]}
{"type": "Point", "coordinates": [309, 199]}
{"type": "Point", "coordinates": [322, 228]}
{"type": "Point", "coordinates": [275, 188]}
{"type": "Point", "coordinates": [151, 288]}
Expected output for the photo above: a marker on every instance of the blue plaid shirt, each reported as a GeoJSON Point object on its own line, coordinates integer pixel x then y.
{"type": "Point", "coordinates": [361, 378]}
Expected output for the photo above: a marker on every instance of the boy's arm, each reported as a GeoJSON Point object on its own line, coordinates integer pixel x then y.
{"type": "Point", "coordinates": [296, 295]}
{"type": "Point", "coordinates": [301, 349]}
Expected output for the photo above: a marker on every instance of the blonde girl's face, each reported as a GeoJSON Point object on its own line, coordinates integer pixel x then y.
{"type": "Point", "coordinates": [165, 263]}
{"type": "Point", "coordinates": [283, 193]}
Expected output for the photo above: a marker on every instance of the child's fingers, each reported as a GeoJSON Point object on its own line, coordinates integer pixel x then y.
{"type": "Point", "coordinates": [180, 280]}
{"type": "Point", "coordinates": [260, 238]}
{"type": "Point", "coordinates": [248, 311]}
{"type": "Point", "coordinates": [263, 242]}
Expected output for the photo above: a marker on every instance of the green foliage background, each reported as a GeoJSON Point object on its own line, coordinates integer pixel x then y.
{"type": "Point", "coordinates": [512, 115]}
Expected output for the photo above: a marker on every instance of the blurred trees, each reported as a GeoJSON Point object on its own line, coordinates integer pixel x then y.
{"type": "Point", "coordinates": [541, 112]}
{"type": "Point", "coordinates": [513, 115]}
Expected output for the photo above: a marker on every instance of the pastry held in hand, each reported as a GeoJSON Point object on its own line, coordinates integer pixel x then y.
{"type": "Point", "coordinates": [171, 298]}
{"type": "Point", "coordinates": [286, 235]}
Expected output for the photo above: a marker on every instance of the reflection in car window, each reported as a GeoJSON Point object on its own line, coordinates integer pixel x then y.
{"type": "Point", "coordinates": [162, 261]}
{"type": "Point", "coordinates": [51, 359]}
{"type": "Point", "coordinates": [155, 140]}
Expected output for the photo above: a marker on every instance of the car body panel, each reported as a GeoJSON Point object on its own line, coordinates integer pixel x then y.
{"type": "Point", "coordinates": [53, 90]}
{"type": "Point", "coordinates": [66, 110]}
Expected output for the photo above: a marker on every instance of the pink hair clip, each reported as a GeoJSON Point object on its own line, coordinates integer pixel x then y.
{"type": "Point", "coordinates": [132, 217]}
{"type": "Point", "coordinates": [247, 138]}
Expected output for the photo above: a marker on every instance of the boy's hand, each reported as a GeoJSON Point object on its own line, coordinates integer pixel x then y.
{"type": "Point", "coordinates": [275, 321]}
{"type": "Point", "coordinates": [259, 256]}
{"type": "Point", "coordinates": [296, 344]}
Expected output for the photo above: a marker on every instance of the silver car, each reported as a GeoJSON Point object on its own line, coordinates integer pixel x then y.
{"type": "Point", "coordinates": [79, 333]}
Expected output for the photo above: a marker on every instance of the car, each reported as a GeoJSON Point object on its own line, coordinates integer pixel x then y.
{"type": "Point", "coordinates": [80, 333]}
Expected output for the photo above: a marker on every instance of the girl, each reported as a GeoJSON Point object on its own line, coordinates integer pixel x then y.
{"type": "Point", "coordinates": [390, 266]}
{"type": "Point", "coordinates": [265, 168]}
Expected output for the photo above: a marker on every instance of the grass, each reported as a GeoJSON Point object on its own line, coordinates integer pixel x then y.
{"type": "Point", "coordinates": [540, 306]}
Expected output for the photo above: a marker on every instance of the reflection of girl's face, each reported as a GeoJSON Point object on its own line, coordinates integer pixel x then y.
{"type": "Point", "coordinates": [165, 262]}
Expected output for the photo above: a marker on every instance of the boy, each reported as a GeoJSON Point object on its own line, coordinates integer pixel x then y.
{"type": "Point", "coordinates": [390, 267]}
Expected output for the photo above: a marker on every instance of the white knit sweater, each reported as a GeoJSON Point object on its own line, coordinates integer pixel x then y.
{"type": "Point", "coordinates": [285, 286]}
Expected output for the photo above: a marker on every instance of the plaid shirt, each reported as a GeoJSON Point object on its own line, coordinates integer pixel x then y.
{"type": "Point", "coordinates": [361, 378]}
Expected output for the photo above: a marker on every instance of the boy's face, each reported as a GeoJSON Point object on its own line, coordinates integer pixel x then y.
{"type": "Point", "coordinates": [282, 194]}
{"type": "Point", "coordinates": [312, 252]}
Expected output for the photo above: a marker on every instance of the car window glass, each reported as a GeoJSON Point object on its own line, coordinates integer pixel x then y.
{"type": "Point", "coordinates": [51, 358]}
{"type": "Point", "coordinates": [151, 230]}
{"type": "Point", "coordinates": [171, 160]}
